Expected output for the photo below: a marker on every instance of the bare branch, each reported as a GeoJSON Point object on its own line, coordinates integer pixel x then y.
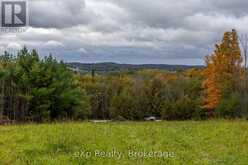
{"type": "Point", "coordinates": [243, 39]}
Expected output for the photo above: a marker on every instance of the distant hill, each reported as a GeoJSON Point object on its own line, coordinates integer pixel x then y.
{"type": "Point", "coordinates": [113, 67]}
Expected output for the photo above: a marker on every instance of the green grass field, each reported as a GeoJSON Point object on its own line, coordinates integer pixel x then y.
{"type": "Point", "coordinates": [200, 143]}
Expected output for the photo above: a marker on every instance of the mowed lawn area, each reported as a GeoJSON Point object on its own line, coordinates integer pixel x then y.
{"type": "Point", "coordinates": [134, 143]}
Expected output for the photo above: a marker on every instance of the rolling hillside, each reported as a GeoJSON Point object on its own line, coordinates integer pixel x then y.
{"type": "Point", "coordinates": [113, 67]}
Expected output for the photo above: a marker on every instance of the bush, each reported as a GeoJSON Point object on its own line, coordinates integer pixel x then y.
{"type": "Point", "coordinates": [229, 107]}
{"type": "Point", "coordinates": [181, 109]}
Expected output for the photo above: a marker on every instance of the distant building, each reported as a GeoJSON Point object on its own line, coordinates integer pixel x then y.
{"type": "Point", "coordinates": [76, 70]}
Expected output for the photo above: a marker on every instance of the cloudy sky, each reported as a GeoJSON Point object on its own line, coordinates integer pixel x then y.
{"type": "Point", "coordinates": [128, 31]}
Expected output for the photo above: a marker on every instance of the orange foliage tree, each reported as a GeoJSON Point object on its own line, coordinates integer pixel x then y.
{"type": "Point", "coordinates": [223, 70]}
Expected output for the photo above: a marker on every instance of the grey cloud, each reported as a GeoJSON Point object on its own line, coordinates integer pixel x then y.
{"type": "Point", "coordinates": [57, 13]}
{"type": "Point", "coordinates": [129, 31]}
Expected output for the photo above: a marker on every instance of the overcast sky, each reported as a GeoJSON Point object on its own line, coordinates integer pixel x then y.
{"type": "Point", "coordinates": [128, 31]}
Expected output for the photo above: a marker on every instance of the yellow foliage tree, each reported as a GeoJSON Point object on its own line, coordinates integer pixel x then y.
{"type": "Point", "coordinates": [223, 70]}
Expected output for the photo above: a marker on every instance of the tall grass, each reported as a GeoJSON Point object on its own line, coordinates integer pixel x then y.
{"type": "Point", "coordinates": [209, 142]}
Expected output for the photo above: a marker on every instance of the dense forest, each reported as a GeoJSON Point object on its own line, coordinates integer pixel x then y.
{"type": "Point", "coordinates": [42, 90]}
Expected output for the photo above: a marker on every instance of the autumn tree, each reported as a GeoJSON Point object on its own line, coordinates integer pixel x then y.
{"type": "Point", "coordinates": [223, 71]}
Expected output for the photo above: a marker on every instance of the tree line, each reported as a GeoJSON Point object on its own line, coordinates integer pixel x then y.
{"type": "Point", "coordinates": [34, 89]}
{"type": "Point", "coordinates": [42, 90]}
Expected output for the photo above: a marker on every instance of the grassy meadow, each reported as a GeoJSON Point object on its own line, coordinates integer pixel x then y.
{"type": "Point", "coordinates": [191, 142]}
